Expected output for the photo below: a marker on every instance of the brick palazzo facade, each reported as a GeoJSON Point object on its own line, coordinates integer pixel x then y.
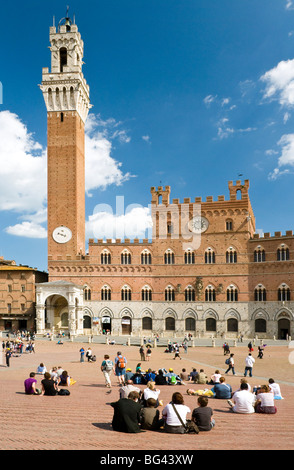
{"type": "Point", "coordinates": [18, 295]}
{"type": "Point", "coordinates": [205, 271]}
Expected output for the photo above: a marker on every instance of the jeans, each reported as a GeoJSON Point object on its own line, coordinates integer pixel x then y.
{"type": "Point", "coordinates": [232, 368]}
{"type": "Point", "coordinates": [248, 369]}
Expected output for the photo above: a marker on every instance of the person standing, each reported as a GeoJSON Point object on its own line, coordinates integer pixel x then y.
{"type": "Point", "coordinates": [82, 354]}
{"type": "Point", "coordinates": [249, 361]}
{"type": "Point", "coordinates": [148, 353]}
{"type": "Point", "coordinates": [142, 353]}
{"type": "Point", "coordinates": [120, 367]}
{"type": "Point", "coordinates": [8, 355]}
{"type": "Point", "coordinates": [231, 364]}
{"type": "Point", "coordinates": [107, 367]}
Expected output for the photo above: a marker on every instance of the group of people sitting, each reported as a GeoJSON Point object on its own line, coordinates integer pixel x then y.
{"type": "Point", "coordinates": [137, 411]}
{"type": "Point", "coordinates": [164, 377]}
{"type": "Point", "coordinates": [259, 400]}
{"type": "Point", "coordinates": [50, 385]}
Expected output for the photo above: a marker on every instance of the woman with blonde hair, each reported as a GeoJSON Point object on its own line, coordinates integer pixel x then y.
{"type": "Point", "coordinates": [151, 392]}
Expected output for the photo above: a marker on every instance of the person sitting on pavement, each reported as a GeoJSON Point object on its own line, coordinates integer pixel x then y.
{"type": "Point", "coordinates": [126, 417]}
{"type": "Point", "coordinates": [275, 388]}
{"type": "Point", "coordinates": [150, 416]}
{"type": "Point", "coordinates": [265, 401]}
{"type": "Point", "coordinates": [129, 375]}
{"type": "Point", "coordinates": [202, 377]}
{"type": "Point", "coordinates": [160, 379]}
{"type": "Point", "coordinates": [194, 375]}
{"type": "Point", "coordinates": [243, 400]}
{"type": "Point", "coordinates": [125, 390]}
{"type": "Point", "coordinates": [30, 385]}
{"type": "Point", "coordinates": [222, 390]}
{"type": "Point", "coordinates": [151, 392]}
{"type": "Point", "coordinates": [41, 369]}
{"type": "Point", "coordinates": [202, 415]}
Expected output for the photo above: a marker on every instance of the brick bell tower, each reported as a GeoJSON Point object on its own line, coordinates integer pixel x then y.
{"type": "Point", "coordinates": [66, 96]}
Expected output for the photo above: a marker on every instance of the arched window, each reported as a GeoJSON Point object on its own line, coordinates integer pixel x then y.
{"type": "Point", "coordinates": [260, 293]}
{"type": "Point", "coordinates": [87, 322]}
{"type": "Point", "coordinates": [169, 257]}
{"type": "Point", "coordinates": [105, 293]}
{"type": "Point", "coordinates": [87, 293]}
{"type": "Point", "coordinates": [232, 325]}
{"type": "Point", "coordinates": [146, 323]}
{"type": "Point", "coordinates": [126, 257]}
{"type": "Point", "coordinates": [189, 294]}
{"type": "Point", "coordinates": [190, 324]}
{"type": "Point", "coordinates": [189, 256]}
{"type": "Point", "coordinates": [260, 325]}
{"type": "Point", "coordinates": [63, 58]}
{"type": "Point", "coordinates": [232, 294]}
{"type": "Point", "coordinates": [210, 295]}
{"type": "Point", "coordinates": [283, 253]}
{"type": "Point", "coordinates": [284, 293]}
{"type": "Point", "coordinates": [169, 294]}
{"type": "Point", "coordinates": [105, 257]}
{"type": "Point", "coordinates": [209, 256]}
{"type": "Point", "coordinates": [126, 294]}
{"type": "Point", "coordinates": [146, 257]}
{"type": "Point", "coordinates": [210, 324]}
{"type": "Point", "coordinates": [170, 324]}
{"type": "Point", "coordinates": [231, 255]}
{"type": "Point", "coordinates": [259, 255]}
{"type": "Point", "coordinates": [146, 294]}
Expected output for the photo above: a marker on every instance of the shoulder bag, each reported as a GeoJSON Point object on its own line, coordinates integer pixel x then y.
{"type": "Point", "coordinates": [190, 426]}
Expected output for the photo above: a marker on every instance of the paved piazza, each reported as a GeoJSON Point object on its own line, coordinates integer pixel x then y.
{"type": "Point", "coordinates": [82, 421]}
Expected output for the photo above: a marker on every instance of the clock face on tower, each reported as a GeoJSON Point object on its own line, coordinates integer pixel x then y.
{"type": "Point", "coordinates": [198, 224]}
{"type": "Point", "coordinates": [61, 234]}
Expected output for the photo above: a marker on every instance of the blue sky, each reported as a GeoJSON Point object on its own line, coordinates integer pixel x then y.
{"type": "Point", "coordinates": [186, 93]}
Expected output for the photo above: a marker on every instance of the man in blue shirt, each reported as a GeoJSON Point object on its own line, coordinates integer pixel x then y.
{"type": "Point", "coordinates": [222, 390]}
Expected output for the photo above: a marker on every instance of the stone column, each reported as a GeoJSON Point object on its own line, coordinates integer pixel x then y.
{"type": "Point", "coordinates": [72, 323]}
{"type": "Point", "coordinates": [40, 319]}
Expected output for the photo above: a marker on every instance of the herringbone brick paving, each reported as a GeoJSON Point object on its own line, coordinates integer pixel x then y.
{"type": "Point", "coordinates": [82, 421]}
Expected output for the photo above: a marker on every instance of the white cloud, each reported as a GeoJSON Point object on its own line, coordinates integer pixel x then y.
{"type": "Point", "coordinates": [286, 117]}
{"type": "Point", "coordinates": [286, 158]}
{"type": "Point", "coordinates": [28, 230]}
{"type": "Point", "coordinates": [146, 138]}
{"type": "Point", "coordinates": [224, 130]}
{"type": "Point", "coordinates": [23, 169]}
{"type": "Point", "coordinates": [289, 5]}
{"type": "Point", "coordinates": [225, 101]}
{"type": "Point", "coordinates": [102, 169]}
{"type": "Point", "coordinates": [136, 222]}
{"type": "Point", "coordinates": [279, 83]}
{"type": "Point", "coordinates": [209, 99]}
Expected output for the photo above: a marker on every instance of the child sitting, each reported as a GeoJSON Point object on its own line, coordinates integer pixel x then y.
{"type": "Point", "coordinates": [203, 415]}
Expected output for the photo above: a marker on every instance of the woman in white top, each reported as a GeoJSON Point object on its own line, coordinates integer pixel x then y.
{"type": "Point", "coordinates": [265, 401]}
{"type": "Point", "coordinates": [172, 422]}
{"type": "Point", "coordinates": [275, 388]}
{"type": "Point", "coordinates": [151, 392]}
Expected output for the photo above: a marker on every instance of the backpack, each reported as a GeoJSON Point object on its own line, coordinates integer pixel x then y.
{"type": "Point", "coordinates": [121, 363]}
{"type": "Point", "coordinates": [173, 380]}
{"type": "Point", "coordinates": [108, 365]}
{"type": "Point", "coordinates": [228, 361]}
